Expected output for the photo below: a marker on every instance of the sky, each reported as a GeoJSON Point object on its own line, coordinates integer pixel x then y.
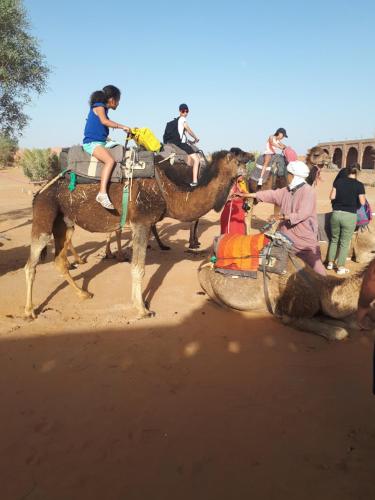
{"type": "Point", "coordinates": [245, 68]}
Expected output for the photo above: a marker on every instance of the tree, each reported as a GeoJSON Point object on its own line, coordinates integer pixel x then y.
{"type": "Point", "coordinates": [8, 149]}
{"type": "Point", "coordinates": [23, 70]}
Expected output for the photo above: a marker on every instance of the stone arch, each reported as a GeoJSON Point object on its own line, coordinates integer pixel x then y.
{"type": "Point", "coordinates": [337, 157]}
{"type": "Point", "coordinates": [368, 159]}
{"type": "Point", "coordinates": [352, 156]}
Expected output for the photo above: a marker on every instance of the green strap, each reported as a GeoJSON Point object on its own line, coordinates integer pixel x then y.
{"type": "Point", "coordinates": [125, 203]}
{"type": "Point", "coordinates": [73, 181]}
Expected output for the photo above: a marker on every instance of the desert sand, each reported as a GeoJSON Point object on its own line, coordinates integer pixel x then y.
{"type": "Point", "coordinates": [196, 403]}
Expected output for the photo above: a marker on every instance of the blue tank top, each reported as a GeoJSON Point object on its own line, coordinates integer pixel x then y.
{"type": "Point", "coordinates": [95, 131]}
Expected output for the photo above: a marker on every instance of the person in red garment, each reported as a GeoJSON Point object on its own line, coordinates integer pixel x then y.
{"type": "Point", "coordinates": [232, 219]}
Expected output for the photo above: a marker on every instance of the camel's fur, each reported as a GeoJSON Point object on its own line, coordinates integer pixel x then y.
{"type": "Point", "coordinates": [362, 249]}
{"type": "Point", "coordinates": [316, 159]}
{"type": "Point", "coordinates": [297, 297]}
{"type": "Point", "coordinates": [57, 210]}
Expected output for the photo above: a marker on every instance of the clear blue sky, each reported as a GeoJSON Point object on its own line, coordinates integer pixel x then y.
{"type": "Point", "coordinates": [244, 68]}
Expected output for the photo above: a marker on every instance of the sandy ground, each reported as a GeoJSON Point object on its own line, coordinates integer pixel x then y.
{"type": "Point", "coordinates": [196, 403]}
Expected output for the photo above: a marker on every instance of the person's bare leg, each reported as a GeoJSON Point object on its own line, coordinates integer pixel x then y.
{"type": "Point", "coordinates": [196, 160]}
{"type": "Point", "coordinates": [267, 160]}
{"type": "Point", "coordinates": [103, 155]}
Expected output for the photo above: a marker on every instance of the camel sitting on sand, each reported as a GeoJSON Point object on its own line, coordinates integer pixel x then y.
{"type": "Point", "coordinates": [56, 210]}
{"type": "Point", "coordinates": [362, 248]}
{"type": "Point", "coordinates": [296, 297]}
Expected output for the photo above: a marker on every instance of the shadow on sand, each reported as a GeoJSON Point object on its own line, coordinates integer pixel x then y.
{"type": "Point", "coordinates": [220, 406]}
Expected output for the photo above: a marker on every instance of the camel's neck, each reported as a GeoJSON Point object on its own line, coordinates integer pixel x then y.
{"type": "Point", "coordinates": [190, 205]}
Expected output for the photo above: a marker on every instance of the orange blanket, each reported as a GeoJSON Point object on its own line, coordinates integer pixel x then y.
{"type": "Point", "coordinates": [238, 252]}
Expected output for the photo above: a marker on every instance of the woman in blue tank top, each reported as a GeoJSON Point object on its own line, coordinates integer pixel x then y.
{"type": "Point", "coordinates": [96, 133]}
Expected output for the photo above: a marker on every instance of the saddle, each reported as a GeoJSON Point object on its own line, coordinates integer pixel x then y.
{"type": "Point", "coordinates": [277, 167]}
{"type": "Point", "coordinates": [243, 256]}
{"type": "Point", "coordinates": [173, 161]}
{"type": "Point", "coordinates": [134, 163]}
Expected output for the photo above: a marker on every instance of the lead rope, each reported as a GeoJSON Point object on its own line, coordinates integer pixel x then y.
{"type": "Point", "coordinates": [272, 231]}
{"type": "Point", "coordinates": [52, 181]}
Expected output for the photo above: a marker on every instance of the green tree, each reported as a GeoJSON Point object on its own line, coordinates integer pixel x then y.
{"type": "Point", "coordinates": [39, 164]}
{"type": "Point", "coordinates": [8, 149]}
{"type": "Point", "coordinates": [23, 71]}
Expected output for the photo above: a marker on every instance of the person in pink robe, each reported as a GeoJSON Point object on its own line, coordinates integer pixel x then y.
{"type": "Point", "coordinates": [298, 219]}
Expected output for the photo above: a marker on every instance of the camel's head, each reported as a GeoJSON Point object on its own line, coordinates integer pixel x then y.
{"type": "Point", "coordinates": [316, 159]}
{"type": "Point", "coordinates": [241, 158]}
{"type": "Point", "coordinates": [234, 164]}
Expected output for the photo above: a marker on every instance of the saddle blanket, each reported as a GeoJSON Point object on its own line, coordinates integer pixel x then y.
{"type": "Point", "coordinates": [277, 164]}
{"type": "Point", "coordinates": [238, 254]}
{"type": "Point", "coordinates": [138, 163]}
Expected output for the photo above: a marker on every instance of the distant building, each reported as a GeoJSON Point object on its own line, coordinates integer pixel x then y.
{"type": "Point", "coordinates": [344, 153]}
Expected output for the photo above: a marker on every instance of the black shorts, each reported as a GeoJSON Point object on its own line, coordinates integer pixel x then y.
{"type": "Point", "coordinates": [186, 147]}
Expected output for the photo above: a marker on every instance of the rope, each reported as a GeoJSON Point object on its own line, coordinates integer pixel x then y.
{"type": "Point", "coordinates": [125, 203]}
{"type": "Point", "coordinates": [73, 181]}
{"type": "Point", "coordinates": [52, 181]}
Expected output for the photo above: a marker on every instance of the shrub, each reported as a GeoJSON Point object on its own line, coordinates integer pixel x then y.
{"type": "Point", "coordinates": [8, 149]}
{"type": "Point", "coordinates": [39, 164]}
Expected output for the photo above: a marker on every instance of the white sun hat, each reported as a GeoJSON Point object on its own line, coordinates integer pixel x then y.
{"type": "Point", "coordinates": [298, 168]}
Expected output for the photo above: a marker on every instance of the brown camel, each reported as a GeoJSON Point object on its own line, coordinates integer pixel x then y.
{"type": "Point", "coordinates": [362, 248]}
{"type": "Point", "coordinates": [56, 210]}
{"type": "Point", "coordinates": [316, 159]}
{"type": "Point", "coordinates": [297, 297]}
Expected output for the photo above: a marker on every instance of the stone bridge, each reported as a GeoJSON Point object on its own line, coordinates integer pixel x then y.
{"type": "Point", "coordinates": [344, 153]}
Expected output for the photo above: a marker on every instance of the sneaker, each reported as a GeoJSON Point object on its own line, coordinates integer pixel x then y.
{"type": "Point", "coordinates": [104, 201]}
{"type": "Point", "coordinates": [342, 270]}
{"type": "Point", "coordinates": [260, 182]}
{"type": "Point", "coordinates": [330, 266]}
{"type": "Point", "coordinates": [193, 184]}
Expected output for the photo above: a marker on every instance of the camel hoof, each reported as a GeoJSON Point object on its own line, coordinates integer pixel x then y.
{"type": "Point", "coordinates": [108, 256]}
{"type": "Point", "coordinates": [338, 333]}
{"type": "Point", "coordinates": [83, 295]}
{"type": "Point", "coordinates": [195, 245]}
{"type": "Point", "coordinates": [146, 314]}
{"type": "Point", "coordinates": [30, 314]}
{"type": "Point", "coordinates": [122, 258]}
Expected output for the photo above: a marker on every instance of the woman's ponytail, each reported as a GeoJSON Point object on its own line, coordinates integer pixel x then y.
{"type": "Point", "coordinates": [97, 96]}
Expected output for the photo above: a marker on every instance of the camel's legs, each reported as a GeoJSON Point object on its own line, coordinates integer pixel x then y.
{"type": "Point", "coordinates": [63, 236]}
{"type": "Point", "coordinates": [141, 233]}
{"type": "Point", "coordinates": [118, 242]}
{"type": "Point", "coordinates": [314, 325]}
{"type": "Point", "coordinates": [157, 238]}
{"type": "Point", "coordinates": [108, 252]}
{"type": "Point", "coordinates": [77, 259]}
{"type": "Point", "coordinates": [193, 238]}
{"type": "Point", "coordinates": [37, 245]}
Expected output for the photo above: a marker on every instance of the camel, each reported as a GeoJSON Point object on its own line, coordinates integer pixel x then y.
{"type": "Point", "coordinates": [193, 241]}
{"type": "Point", "coordinates": [316, 159]}
{"type": "Point", "coordinates": [297, 297]}
{"type": "Point", "coordinates": [363, 240]}
{"type": "Point", "coordinates": [56, 211]}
